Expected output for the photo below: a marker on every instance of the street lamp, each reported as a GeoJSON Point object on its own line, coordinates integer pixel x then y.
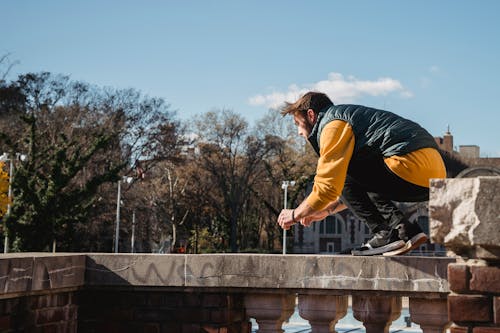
{"type": "Point", "coordinates": [4, 158]}
{"type": "Point", "coordinates": [132, 240]}
{"type": "Point", "coordinates": [127, 180]}
{"type": "Point", "coordinates": [284, 186]}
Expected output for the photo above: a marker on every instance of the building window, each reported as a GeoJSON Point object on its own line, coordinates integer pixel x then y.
{"type": "Point", "coordinates": [339, 225]}
{"type": "Point", "coordinates": [330, 226]}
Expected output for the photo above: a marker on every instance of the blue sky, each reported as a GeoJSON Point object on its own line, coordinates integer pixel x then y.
{"type": "Point", "coordinates": [435, 62]}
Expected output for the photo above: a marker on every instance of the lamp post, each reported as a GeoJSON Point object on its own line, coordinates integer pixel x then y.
{"type": "Point", "coordinates": [127, 180]}
{"type": "Point", "coordinates": [284, 186]}
{"type": "Point", "coordinates": [132, 240]}
{"type": "Point", "coordinates": [4, 158]}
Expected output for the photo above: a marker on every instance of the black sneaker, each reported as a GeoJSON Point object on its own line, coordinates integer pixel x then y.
{"type": "Point", "coordinates": [413, 236]}
{"type": "Point", "coordinates": [383, 241]}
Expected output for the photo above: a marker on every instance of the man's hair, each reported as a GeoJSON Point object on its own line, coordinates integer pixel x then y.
{"type": "Point", "coordinates": [311, 100]}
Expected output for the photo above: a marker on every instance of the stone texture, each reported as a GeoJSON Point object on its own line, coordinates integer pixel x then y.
{"type": "Point", "coordinates": [58, 271]}
{"type": "Point", "coordinates": [469, 308]}
{"type": "Point", "coordinates": [129, 269]}
{"type": "Point", "coordinates": [16, 274]}
{"type": "Point", "coordinates": [21, 272]}
{"type": "Point", "coordinates": [430, 314]}
{"type": "Point", "coordinates": [458, 277]}
{"type": "Point", "coordinates": [482, 329]}
{"type": "Point", "coordinates": [322, 311]}
{"type": "Point", "coordinates": [376, 313]}
{"type": "Point", "coordinates": [464, 216]}
{"type": "Point", "coordinates": [403, 273]}
{"type": "Point", "coordinates": [102, 287]}
{"type": "Point", "coordinates": [485, 279]}
{"type": "Point", "coordinates": [269, 310]}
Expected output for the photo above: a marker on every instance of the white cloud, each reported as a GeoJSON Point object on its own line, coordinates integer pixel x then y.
{"type": "Point", "coordinates": [434, 69]}
{"type": "Point", "coordinates": [339, 88]}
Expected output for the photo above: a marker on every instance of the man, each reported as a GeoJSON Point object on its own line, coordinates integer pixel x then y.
{"type": "Point", "coordinates": [367, 159]}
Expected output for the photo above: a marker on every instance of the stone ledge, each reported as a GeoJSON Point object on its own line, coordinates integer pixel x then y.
{"type": "Point", "coordinates": [342, 275]}
{"type": "Point", "coordinates": [32, 272]}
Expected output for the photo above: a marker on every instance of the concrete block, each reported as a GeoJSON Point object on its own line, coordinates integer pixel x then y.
{"type": "Point", "coordinates": [58, 271]}
{"type": "Point", "coordinates": [16, 274]}
{"type": "Point", "coordinates": [465, 214]}
{"type": "Point", "coordinates": [403, 273]}
{"type": "Point", "coordinates": [135, 269]}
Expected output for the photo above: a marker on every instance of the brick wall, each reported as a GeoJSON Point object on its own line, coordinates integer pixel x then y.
{"type": "Point", "coordinates": [125, 311]}
{"type": "Point", "coordinates": [474, 304]}
{"type": "Point", "coordinates": [39, 313]}
{"type": "Point", "coordinates": [161, 311]}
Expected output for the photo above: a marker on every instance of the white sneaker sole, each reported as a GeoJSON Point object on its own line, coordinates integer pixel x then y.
{"type": "Point", "coordinates": [379, 250]}
{"type": "Point", "coordinates": [410, 245]}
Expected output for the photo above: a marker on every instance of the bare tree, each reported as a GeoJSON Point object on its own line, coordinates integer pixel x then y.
{"type": "Point", "coordinates": [232, 157]}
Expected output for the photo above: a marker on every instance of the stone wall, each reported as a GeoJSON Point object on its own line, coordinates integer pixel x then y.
{"type": "Point", "coordinates": [39, 313]}
{"type": "Point", "coordinates": [465, 217]}
{"type": "Point", "coordinates": [214, 293]}
{"type": "Point", "coordinates": [159, 311]}
{"type": "Point", "coordinates": [37, 293]}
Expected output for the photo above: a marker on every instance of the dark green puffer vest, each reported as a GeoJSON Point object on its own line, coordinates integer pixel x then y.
{"type": "Point", "coordinates": [376, 132]}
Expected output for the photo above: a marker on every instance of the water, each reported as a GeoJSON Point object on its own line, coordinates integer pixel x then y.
{"type": "Point", "coordinates": [347, 324]}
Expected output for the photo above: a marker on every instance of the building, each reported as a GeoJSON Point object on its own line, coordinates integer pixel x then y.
{"type": "Point", "coordinates": [470, 156]}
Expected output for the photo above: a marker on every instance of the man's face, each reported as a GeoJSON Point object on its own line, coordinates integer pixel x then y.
{"type": "Point", "coordinates": [304, 125]}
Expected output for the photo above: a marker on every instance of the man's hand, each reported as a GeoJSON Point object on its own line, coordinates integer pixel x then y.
{"type": "Point", "coordinates": [285, 220]}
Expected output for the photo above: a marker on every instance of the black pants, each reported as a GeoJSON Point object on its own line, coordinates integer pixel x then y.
{"type": "Point", "coordinates": [370, 188]}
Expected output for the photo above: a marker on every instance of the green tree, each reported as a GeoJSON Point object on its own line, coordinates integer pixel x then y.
{"type": "Point", "coordinates": [79, 139]}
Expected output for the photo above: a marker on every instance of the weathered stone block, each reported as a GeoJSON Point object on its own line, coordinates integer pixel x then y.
{"type": "Point", "coordinates": [402, 273]}
{"type": "Point", "coordinates": [485, 279]}
{"type": "Point", "coordinates": [430, 314]}
{"type": "Point", "coordinates": [458, 277]}
{"type": "Point", "coordinates": [469, 308]}
{"type": "Point", "coordinates": [58, 271]}
{"type": "Point", "coordinates": [16, 274]}
{"type": "Point", "coordinates": [465, 214]}
{"type": "Point", "coordinates": [486, 330]}
{"type": "Point", "coordinates": [143, 270]}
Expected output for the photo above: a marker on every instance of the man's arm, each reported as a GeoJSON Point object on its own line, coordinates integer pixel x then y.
{"type": "Point", "coordinates": [336, 149]}
{"type": "Point", "coordinates": [306, 215]}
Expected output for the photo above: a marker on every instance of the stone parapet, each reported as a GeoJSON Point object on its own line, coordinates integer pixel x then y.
{"type": "Point", "coordinates": [212, 293]}
{"type": "Point", "coordinates": [405, 275]}
{"type": "Point", "coordinates": [26, 272]}
{"type": "Point", "coordinates": [465, 217]}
